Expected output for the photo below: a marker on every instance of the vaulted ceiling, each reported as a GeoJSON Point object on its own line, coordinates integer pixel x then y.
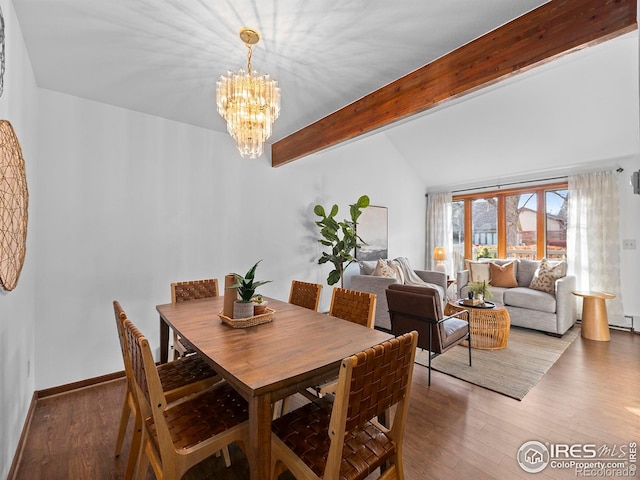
{"type": "Point", "coordinates": [163, 57]}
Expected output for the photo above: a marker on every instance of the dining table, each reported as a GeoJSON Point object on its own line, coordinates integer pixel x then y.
{"type": "Point", "coordinates": [298, 348]}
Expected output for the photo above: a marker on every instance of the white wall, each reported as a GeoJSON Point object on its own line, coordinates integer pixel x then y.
{"type": "Point", "coordinates": [629, 229]}
{"type": "Point", "coordinates": [18, 105]}
{"type": "Point", "coordinates": [129, 203]}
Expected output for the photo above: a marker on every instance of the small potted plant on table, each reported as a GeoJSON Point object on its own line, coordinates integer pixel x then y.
{"type": "Point", "coordinates": [246, 286]}
{"type": "Point", "coordinates": [260, 305]}
{"type": "Point", "coordinates": [481, 292]}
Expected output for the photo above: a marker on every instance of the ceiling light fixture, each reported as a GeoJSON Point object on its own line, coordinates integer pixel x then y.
{"type": "Point", "coordinates": [248, 102]}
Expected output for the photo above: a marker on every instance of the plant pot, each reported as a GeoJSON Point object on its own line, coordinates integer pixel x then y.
{"type": "Point", "coordinates": [242, 310]}
{"type": "Point", "coordinates": [260, 308]}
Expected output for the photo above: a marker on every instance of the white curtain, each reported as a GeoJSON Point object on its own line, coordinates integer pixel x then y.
{"type": "Point", "coordinates": [593, 239]}
{"type": "Point", "coordinates": [439, 228]}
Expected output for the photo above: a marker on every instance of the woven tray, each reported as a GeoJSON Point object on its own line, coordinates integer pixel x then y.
{"type": "Point", "coordinates": [248, 321]}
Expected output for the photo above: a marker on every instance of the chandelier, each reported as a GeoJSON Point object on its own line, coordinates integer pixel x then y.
{"type": "Point", "coordinates": [249, 103]}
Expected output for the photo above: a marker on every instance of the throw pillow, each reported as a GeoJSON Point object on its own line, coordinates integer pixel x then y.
{"type": "Point", "coordinates": [478, 271]}
{"type": "Point", "coordinates": [384, 270]}
{"type": "Point", "coordinates": [503, 275]}
{"type": "Point", "coordinates": [395, 266]}
{"type": "Point", "coordinates": [526, 271]}
{"type": "Point", "coordinates": [545, 277]}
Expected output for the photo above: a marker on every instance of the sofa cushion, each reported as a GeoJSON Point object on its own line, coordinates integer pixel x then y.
{"type": "Point", "coordinates": [497, 294]}
{"type": "Point", "coordinates": [503, 275]}
{"type": "Point", "coordinates": [528, 298]}
{"type": "Point", "coordinates": [384, 270]}
{"type": "Point", "coordinates": [478, 271]}
{"type": "Point", "coordinates": [546, 275]}
{"type": "Point", "coordinates": [367, 266]}
{"type": "Point", "coordinates": [526, 269]}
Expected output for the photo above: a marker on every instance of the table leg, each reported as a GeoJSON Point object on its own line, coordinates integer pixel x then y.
{"type": "Point", "coordinates": [164, 341]}
{"type": "Point", "coordinates": [595, 324]}
{"type": "Point", "coordinates": [260, 437]}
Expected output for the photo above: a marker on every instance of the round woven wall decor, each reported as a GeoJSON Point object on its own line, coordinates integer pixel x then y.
{"type": "Point", "coordinates": [14, 203]}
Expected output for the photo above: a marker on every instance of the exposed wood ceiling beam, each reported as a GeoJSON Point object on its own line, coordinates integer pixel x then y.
{"type": "Point", "coordinates": [554, 29]}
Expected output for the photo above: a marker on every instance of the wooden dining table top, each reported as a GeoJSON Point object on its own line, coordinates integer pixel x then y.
{"type": "Point", "coordinates": [296, 343]}
{"type": "Point", "coordinates": [267, 362]}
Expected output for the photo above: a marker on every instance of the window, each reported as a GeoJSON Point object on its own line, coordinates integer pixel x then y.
{"type": "Point", "coordinates": [522, 225]}
{"type": "Point", "coordinates": [516, 223]}
{"type": "Point", "coordinates": [484, 221]}
{"type": "Point", "coordinates": [457, 211]}
{"type": "Point", "coordinates": [556, 223]}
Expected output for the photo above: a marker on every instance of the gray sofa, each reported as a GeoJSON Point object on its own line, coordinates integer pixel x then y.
{"type": "Point", "coordinates": [552, 313]}
{"type": "Point", "coordinates": [366, 282]}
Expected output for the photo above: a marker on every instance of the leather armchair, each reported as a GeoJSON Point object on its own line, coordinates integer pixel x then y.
{"type": "Point", "coordinates": [419, 308]}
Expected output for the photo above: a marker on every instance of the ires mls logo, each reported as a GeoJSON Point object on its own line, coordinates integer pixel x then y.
{"type": "Point", "coordinates": [533, 456]}
{"type": "Point", "coordinates": [587, 459]}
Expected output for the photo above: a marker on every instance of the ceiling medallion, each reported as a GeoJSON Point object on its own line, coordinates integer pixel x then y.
{"type": "Point", "coordinates": [248, 102]}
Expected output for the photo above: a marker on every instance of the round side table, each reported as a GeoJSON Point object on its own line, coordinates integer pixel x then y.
{"type": "Point", "coordinates": [595, 324]}
{"type": "Point", "coordinates": [489, 326]}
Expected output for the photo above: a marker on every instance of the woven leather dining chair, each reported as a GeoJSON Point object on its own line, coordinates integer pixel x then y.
{"type": "Point", "coordinates": [305, 294]}
{"type": "Point", "coordinates": [179, 378]}
{"type": "Point", "coordinates": [177, 436]}
{"type": "Point", "coordinates": [419, 308]}
{"type": "Point", "coordinates": [183, 292]}
{"type": "Point", "coordinates": [357, 307]}
{"type": "Point", "coordinates": [343, 439]}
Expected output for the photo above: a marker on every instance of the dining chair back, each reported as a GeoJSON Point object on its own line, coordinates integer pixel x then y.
{"type": "Point", "coordinates": [415, 307]}
{"type": "Point", "coordinates": [357, 307]}
{"type": "Point", "coordinates": [194, 289]}
{"type": "Point", "coordinates": [179, 378]}
{"type": "Point", "coordinates": [305, 294]}
{"type": "Point", "coordinates": [183, 292]}
{"type": "Point", "coordinates": [343, 439]}
{"type": "Point", "coordinates": [176, 436]}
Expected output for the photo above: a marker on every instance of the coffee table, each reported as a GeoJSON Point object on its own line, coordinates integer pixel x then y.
{"type": "Point", "coordinates": [489, 326]}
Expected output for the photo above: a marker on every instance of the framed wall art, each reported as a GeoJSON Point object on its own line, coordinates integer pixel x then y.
{"type": "Point", "coordinates": [373, 229]}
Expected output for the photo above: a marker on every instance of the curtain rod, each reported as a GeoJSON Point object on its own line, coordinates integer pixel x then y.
{"type": "Point", "coordinates": [564, 177]}
{"type": "Point", "coordinates": [510, 183]}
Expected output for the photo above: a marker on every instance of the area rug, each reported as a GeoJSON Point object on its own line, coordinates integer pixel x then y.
{"type": "Point", "coordinates": [512, 371]}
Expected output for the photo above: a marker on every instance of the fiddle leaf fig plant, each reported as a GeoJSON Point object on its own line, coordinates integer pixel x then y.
{"type": "Point", "coordinates": [246, 285]}
{"type": "Point", "coordinates": [340, 237]}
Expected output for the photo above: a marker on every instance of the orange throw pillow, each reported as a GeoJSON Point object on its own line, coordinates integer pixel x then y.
{"type": "Point", "coordinates": [503, 275]}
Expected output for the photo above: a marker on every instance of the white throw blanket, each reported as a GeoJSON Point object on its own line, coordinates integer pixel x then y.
{"type": "Point", "coordinates": [411, 278]}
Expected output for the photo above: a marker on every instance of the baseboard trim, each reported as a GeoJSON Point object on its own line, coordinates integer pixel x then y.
{"type": "Point", "coordinates": [23, 438]}
{"type": "Point", "coordinates": [71, 387]}
{"type": "Point", "coordinates": [49, 392]}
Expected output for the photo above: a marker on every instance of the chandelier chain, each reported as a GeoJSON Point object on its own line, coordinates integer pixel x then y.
{"type": "Point", "coordinates": [249, 53]}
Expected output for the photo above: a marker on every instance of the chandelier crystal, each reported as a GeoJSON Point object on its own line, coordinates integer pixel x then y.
{"type": "Point", "coordinates": [249, 103]}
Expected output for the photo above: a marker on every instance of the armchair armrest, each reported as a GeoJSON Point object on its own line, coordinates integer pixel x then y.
{"type": "Point", "coordinates": [565, 303]}
{"type": "Point", "coordinates": [457, 314]}
{"type": "Point", "coordinates": [432, 276]}
{"type": "Point", "coordinates": [462, 279]}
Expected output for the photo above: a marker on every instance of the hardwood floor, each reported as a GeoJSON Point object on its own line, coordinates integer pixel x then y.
{"type": "Point", "coordinates": [455, 430]}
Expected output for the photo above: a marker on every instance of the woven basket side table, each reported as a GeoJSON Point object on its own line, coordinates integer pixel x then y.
{"type": "Point", "coordinates": [489, 326]}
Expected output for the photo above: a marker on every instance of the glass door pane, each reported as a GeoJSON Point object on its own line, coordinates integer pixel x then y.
{"type": "Point", "coordinates": [521, 213]}
{"type": "Point", "coordinates": [458, 235]}
{"type": "Point", "coordinates": [484, 219]}
{"type": "Point", "coordinates": [556, 205]}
